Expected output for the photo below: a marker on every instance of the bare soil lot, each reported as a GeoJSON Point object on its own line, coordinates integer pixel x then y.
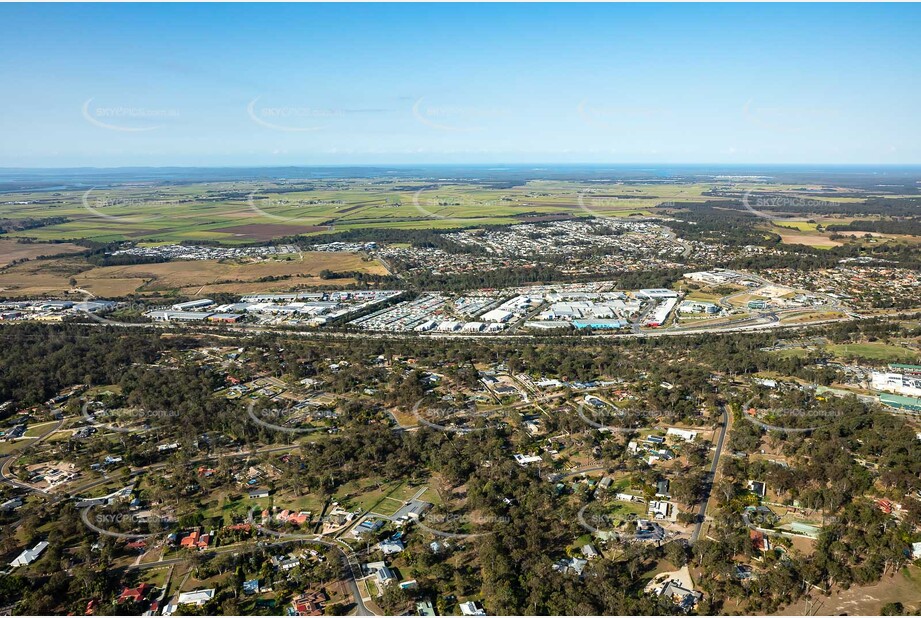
{"type": "Point", "coordinates": [11, 250]}
{"type": "Point", "coordinates": [904, 587]}
{"type": "Point", "coordinates": [188, 277]}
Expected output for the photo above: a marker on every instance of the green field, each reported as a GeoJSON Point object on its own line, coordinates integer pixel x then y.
{"type": "Point", "coordinates": [875, 351]}
{"type": "Point", "coordinates": [244, 212]}
{"type": "Point", "coordinates": [869, 351]}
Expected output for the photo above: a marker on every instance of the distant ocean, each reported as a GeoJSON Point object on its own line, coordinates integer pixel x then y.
{"type": "Point", "coordinates": [60, 179]}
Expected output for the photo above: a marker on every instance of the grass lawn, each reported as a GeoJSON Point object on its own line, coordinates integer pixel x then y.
{"type": "Point", "coordinates": [34, 431]}
{"type": "Point", "coordinates": [875, 351]}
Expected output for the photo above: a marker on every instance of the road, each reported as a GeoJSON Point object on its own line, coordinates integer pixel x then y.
{"type": "Point", "coordinates": [714, 466]}
{"type": "Point", "coordinates": [7, 477]}
{"type": "Point", "coordinates": [773, 322]}
{"type": "Point", "coordinates": [352, 581]}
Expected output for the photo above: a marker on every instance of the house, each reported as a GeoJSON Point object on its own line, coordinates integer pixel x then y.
{"type": "Point", "coordinates": [411, 511]}
{"type": "Point", "coordinates": [136, 595]}
{"type": "Point", "coordinates": [367, 526]}
{"type": "Point", "coordinates": [286, 564]}
{"type": "Point", "coordinates": [589, 551]}
{"type": "Point", "coordinates": [11, 504]}
{"type": "Point", "coordinates": [574, 566]}
{"type": "Point", "coordinates": [760, 541]}
{"type": "Point", "coordinates": [30, 555]}
{"type": "Point", "coordinates": [649, 531]}
{"type": "Point", "coordinates": [197, 598]}
{"type": "Point", "coordinates": [291, 517]}
{"type": "Point", "coordinates": [524, 460]}
{"type": "Point", "coordinates": [916, 551]}
{"type": "Point", "coordinates": [381, 572]}
{"type": "Point", "coordinates": [684, 434]}
{"type": "Point", "coordinates": [425, 608]}
{"type": "Point", "coordinates": [472, 608]}
{"type": "Point", "coordinates": [197, 540]}
{"type": "Point", "coordinates": [685, 598]}
{"type": "Point", "coordinates": [662, 488]}
{"type": "Point", "coordinates": [655, 439]}
{"type": "Point", "coordinates": [309, 604]}
{"type": "Point", "coordinates": [391, 546]}
{"type": "Point", "coordinates": [258, 493]}
{"type": "Point", "coordinates": [758, 488]}
{"type": "Point", "coordinates": [659, 509]}
{"type": "Point", "coordinates": [251, 586]}
{"type": "Point", "coordinates": [744, 572]}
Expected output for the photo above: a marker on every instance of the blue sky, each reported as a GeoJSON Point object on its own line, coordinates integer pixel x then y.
{"type": "Point", "coordinates": [114, 85]}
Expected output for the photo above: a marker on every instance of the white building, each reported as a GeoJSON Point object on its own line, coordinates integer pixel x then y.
{"type": "Point", "coordinates": [497, 315]}
{"type": "Point", "coordinates": [657, 293]}
{"type": "Point", "coordinates": [472, 608]}
{"type": "Point", "coordinates": [30, 555]}
{"type": "Point", "coordinates": [193, 305]}
{"type": "Point", "coordinates": [524, 460]}
{"type": "Point", "coordinates": [685, 434]}
{"type": "Point", "coordinates": [198, 597]}
{"type": "Point", "coordinates": [900, 379]}
{"type": "Point", "coordinates": [660, 314]}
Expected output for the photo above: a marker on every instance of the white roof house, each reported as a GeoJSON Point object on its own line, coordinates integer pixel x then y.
{"type": "Point", "coordinates": [198, 597]}
{"type": "Point", "coordinates": [524, 460]}
{"type": "Point", "coordinates": [472, 608]}
{"type": "Point", "coordinates": [30, 555]}
{"type": "Point", "coordinates": [685, 434]}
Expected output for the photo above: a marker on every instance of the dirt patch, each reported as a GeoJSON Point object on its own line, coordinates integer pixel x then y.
{"type": "Point", "coordinates": [11, 250]}
{"type": "Point", "coordinates": [904, 587]}
{"type": "Point", "coordinates": [811, 239]}
{"type": "Point", "coordinates": [35, 279]}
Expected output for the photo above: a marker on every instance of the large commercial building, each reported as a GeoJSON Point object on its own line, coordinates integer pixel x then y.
{"type": "Point", "coordinates": [192, 305]}
{"type": "Point", "coordinates": [900, 379]}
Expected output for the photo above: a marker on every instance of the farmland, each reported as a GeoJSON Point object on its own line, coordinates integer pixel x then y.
{"type": "Point", "coordinates": [247, 212]}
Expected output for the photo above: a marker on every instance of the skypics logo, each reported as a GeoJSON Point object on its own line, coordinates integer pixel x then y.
{"type": "Point", "coordinates": [616, 116]}
{"type": "Point", "coordinates": [270, 418]}
{"type": "Point", "coordinates": [605, 417]}
{"type": "Point", "coordinates": [94, 410]}
{"type": "Point", "coordinates": [459, 520]}
{"type": "Point", "coordinates": [462, 420]}
{"type": "Point", "coordinates": [457, 118]}
{"type": "Point", "coordinates": [432, 202]}
{"type": "Point", "coordinates": [753, 203]}
{"type": "Point", "coordinates": [102, 523]}
{"type": "Point", "coordinates": [95, 204]}
{"type": "Point", "coordinates": [126, 119]}
{"type": "Point", "coordinates": [297, 119]}
{"type": "Point", "coordinates": [608, 526]}
{"type": "Point", "coordinates": [252, 198]}
{"type": "Point", "coordinates": [788, 420]}
{"type": "Point", "coordinates": [300, 118]}
{"type": "Point", "coordinates": [605, 207]}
